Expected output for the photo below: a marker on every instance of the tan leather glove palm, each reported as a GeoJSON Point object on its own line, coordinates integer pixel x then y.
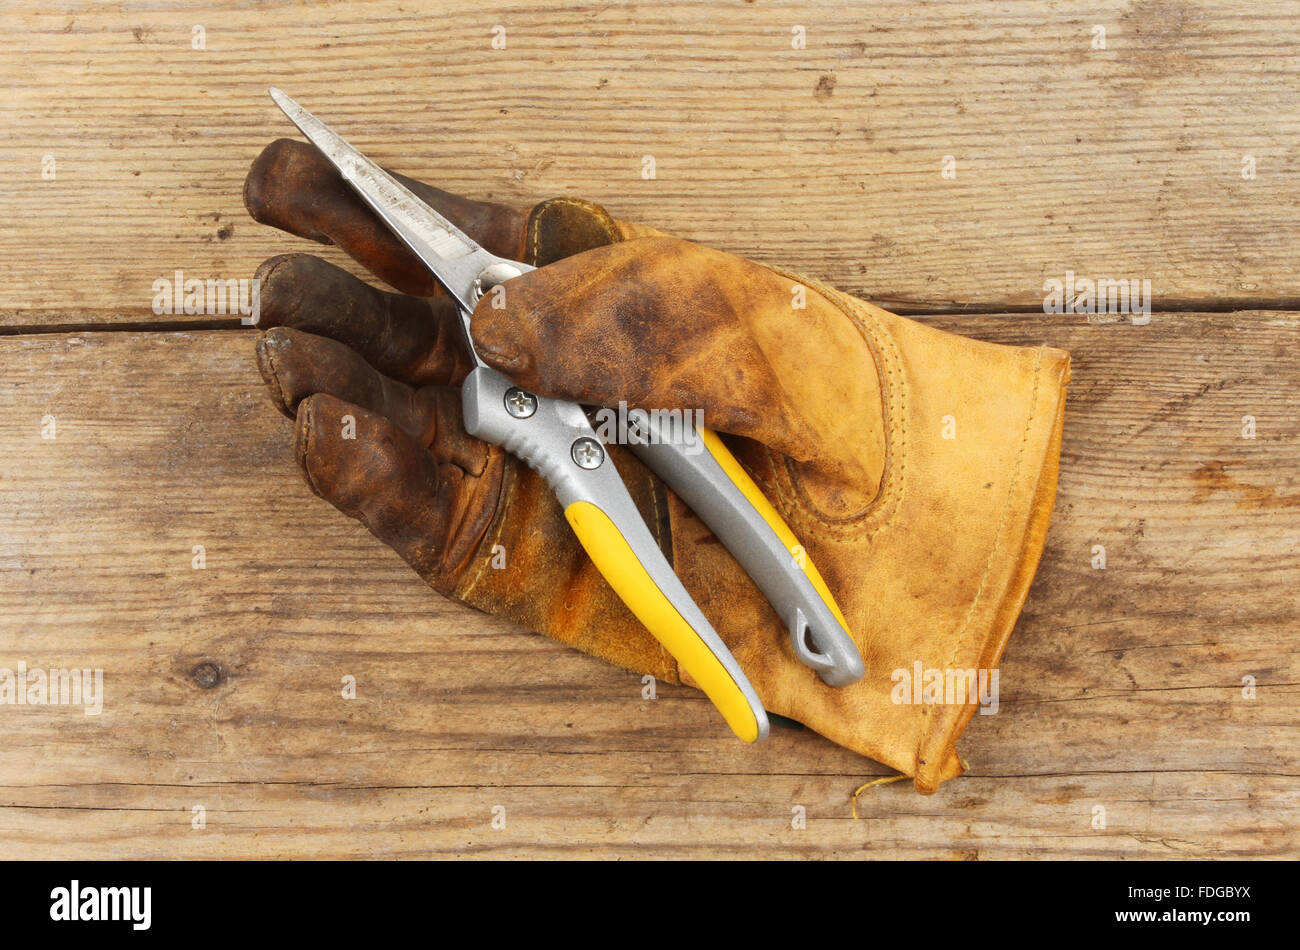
{"type": "Point", "coordinates": [917, 467]}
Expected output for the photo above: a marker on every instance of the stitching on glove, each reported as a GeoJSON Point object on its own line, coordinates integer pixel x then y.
{"type": "Point", "coordinates": [274, 379]}
{"type": "Point", "coordinates": [997, 536]}
{"type": "Point", "coordinates": [1011, 489]}
{"type": "Point", "coordinates": [532, 232]}
{"type": "Point", "coordinates": [545, 208]}
{"type": "Point", "coordinates": [884, 506]}
{"type": "Point", "coordinates": [307, 430]}
{"type": "Point", "coordinates": [893, 484]}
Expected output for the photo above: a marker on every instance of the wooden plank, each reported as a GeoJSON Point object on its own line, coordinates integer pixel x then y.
{"type": "Point", "coordinates": [1122, 688]}
{"type": "Point", "coordinates": [1123, 162]}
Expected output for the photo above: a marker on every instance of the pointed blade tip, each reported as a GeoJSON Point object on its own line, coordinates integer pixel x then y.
{"type": "Point", "coordinates": [282, 100]}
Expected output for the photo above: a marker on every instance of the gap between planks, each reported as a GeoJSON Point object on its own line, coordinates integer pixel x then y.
{"type": "Point", "coordinates": [110, 320]}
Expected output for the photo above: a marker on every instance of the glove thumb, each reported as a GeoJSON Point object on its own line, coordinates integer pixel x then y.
{"type": "Point", "coordinates": [661, 323]}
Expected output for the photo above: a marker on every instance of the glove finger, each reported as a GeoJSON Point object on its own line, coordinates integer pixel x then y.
{"type": "Point", "coordinates": [414, 339]}
{"type": "Point", "coordinates": [292, 186]}
{"type": "Point", "coordinates": [359, 461]}
{"type": "Point", "coordinates": [298, 365]}
{"type": "Point", "coordinates": [665, 324]}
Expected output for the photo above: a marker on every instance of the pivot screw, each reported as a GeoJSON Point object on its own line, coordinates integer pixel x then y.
{"type": "Point", "coordinates": [520, 404]}
{"type": "Point", "coordinates": [588, 453]}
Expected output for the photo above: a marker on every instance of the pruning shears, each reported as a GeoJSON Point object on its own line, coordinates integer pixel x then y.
{"type": "Point", "coordinates": [557, 439]}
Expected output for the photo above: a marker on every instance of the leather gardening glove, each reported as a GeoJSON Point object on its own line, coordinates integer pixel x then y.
{"type": "Point", "coordinates": [917, 467]}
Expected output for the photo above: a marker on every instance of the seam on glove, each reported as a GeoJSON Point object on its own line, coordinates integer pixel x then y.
{"type": "Point", "coordinates": [1012, 482]}
{"type": "Point", "coordinates": [797, 505]}
{"type": "Point", "coordinates": [1011, 491]}
{"type": "Point", "coordinates": [272, 378]}
{"type": "Point", "coordinates": [303, 450]}
{"type": "Point", "coordinates": [546, 207]}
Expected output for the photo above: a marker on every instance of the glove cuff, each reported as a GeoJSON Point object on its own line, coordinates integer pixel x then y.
{"type": "Point", "coordinates": [951, 543]}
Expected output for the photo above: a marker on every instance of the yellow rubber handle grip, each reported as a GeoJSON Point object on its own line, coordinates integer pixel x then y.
{"type": "Point", "coordinates": [614, 558]}
{"type": "Point", "coordinates": [722, 455]}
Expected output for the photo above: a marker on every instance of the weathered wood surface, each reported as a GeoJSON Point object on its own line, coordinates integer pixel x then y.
{"type": "Point", "coordinates": [1118, 162]}
{"type": "Point", "coordinates": [1122, 687]}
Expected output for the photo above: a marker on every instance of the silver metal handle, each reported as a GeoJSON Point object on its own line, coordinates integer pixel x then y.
{"type": "Point", "coordinates": [818, 638]}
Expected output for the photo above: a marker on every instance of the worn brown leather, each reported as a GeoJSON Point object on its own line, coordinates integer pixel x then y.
{"type": "Point", "coordinates": [838, 409]}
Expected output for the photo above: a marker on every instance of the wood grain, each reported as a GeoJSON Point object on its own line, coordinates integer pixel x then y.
{"type": "Point", "coordinates": [1121, 688]}
{"type": "Point", "coordinates": [1118, 162]}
